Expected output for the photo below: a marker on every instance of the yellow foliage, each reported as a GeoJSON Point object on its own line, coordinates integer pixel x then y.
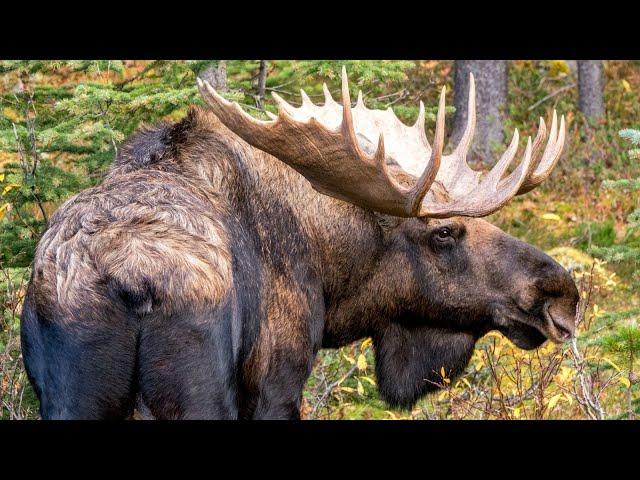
{"type": "Point", "coordinates": [8, 188]}
{"type": "Point", "coordinates": [369, 380]}
{"type": "Point", "coordinates": [349, 358]}
{"type": "Point", "coordinates": [11, 114]}
{"type": "Point", "coordinates": [558, 68]}
{"type": "Point", "coordinates": [597, 312]}
{"type": "Point", "coordinates": [5, 207]}
{"type": "Point", "coordinates": [443, 374]}
{"type": "Point", "coordinates": [362, 362]}
{"type": "Point", "coordinates": [554, 400]}
{"type": "Point", "coordinates": [551, 216]}
{"type": "Point", "coordinates": [568, 255]}
{"type": "Point", "coordinates": [610, 362]}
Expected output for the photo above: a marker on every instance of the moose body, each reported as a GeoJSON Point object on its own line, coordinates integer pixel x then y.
{"type": "Point", "coordinates": [202, 276]}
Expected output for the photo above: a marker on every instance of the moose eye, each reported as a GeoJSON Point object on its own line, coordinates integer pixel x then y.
{"type": "Point", "coordinates": [443, 238]}
{"type": "Point", "coordinates": [444, 233]}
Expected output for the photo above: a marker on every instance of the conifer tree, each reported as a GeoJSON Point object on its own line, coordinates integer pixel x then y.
{"type": "Point", "coordinates": [623, 340]}
{"type": "Point", "coordinates": [58, 135]}
{"type": "Point", "coordinates": [629, 248]}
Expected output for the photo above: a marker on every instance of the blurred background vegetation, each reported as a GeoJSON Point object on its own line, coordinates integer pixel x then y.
{"type": "Point", "coordinates": [61, 123]}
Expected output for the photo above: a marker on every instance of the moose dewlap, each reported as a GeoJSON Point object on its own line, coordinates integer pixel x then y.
{"type": "Point", "coordinates": [220, 253]}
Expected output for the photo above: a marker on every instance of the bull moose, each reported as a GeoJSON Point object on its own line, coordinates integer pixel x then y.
{"type": "Point", "coordinates": [221, 252]}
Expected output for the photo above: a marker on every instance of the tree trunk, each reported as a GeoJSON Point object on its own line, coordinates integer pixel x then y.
{"type": "Point", "coordinates": [591, 88]}
{"type": "Point", "coordinates": [491, 78]}
{"type": "Point", "coordinates": [216, 75]}
{"type": "Point", "coordinates": [262, 84]}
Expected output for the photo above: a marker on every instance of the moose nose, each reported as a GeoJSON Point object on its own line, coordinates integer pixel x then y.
{"type": "Point", "coordinates": [560, 321]}
{"type": "Point", "coordinates": [561, 302]}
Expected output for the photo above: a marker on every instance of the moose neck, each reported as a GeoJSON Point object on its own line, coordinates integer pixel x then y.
{"type": "Point", "coordinates": [363, 286]}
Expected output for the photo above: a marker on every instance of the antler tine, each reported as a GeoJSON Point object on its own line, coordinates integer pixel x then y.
{"type": "Point", "coordinates": [498, 170]}
{"type": "Point", "coordinates": [306, 101]}
{"type": "Point", "coordinates": [360, 101]}
{"type": "Point", "coordinates": [282, 104]}
{"type": "Point", "coordinates": [550, 157]}
{"type": "Point", "coordinates": [419, 125]}
{"type": "Point", "coordinates": [456, 175]}
{"type": "Point", "coordinates": [349, 132]}
{"type": "Point", "coordinates": [328, 99]}
{"type": "Point", "coordinates": [227, 111]}
{"type": "Point", "coordinates": [428, 176]}
{"type": "Point", "coordinates": [421, 116]}
{"type": "Point", "coordinates": [507, 190]}
{"type": "Point", "coordinates": [511, 185]}
{"type": "Point", "coordinates": [347, 117]}
{"type": "Point", "coordinates": [380, 158]}
{"type": "Point", "coordinates": [537, 144]}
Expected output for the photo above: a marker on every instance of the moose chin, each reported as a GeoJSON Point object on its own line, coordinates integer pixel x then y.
{"type": "Point", "coordinates": [220, 253]}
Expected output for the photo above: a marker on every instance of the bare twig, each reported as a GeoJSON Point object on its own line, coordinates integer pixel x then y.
{"type": "Point", "coordinates": [551, 95]}
{"type": "Point", "coordinates": [330, 388]}
{"type": "Point", "coordinates": [585, 395]}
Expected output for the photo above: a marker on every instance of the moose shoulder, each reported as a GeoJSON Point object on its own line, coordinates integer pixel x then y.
{"type": "Point", "coordinates": [221, 253]}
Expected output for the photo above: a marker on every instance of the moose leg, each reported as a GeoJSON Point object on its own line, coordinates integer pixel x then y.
{"type": "Point", "coordinates": [81, 363]}
{"type": "Point", "coordinates": [186, 366]}
{"type": "Point", "coordinates": [286, 352]}
{"type": "Point", "coordinates": [281, 391]}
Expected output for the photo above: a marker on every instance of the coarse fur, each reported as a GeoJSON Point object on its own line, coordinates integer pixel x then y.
{"type": "Point", "coordinates": [201, 277]}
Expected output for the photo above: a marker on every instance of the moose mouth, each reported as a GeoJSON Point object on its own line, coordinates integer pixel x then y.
{"type": "Point", "coordinates": [530, 330]}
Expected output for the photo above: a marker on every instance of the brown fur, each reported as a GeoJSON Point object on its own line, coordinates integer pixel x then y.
{"type": "Point", "coordinates": [224, 272]}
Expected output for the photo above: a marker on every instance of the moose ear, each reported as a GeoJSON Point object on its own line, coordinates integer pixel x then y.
{"type": "Point", "coordinates": [388, 222]}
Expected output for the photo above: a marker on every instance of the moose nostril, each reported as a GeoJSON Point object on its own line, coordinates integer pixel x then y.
{"type": "Point", "coordinates": [564, 323]}
{"type": "Point", "coordinates": [563, 331]}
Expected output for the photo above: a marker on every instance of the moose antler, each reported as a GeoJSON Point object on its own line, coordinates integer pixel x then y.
{"type": "Point", "coordinates": [332, 146]}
